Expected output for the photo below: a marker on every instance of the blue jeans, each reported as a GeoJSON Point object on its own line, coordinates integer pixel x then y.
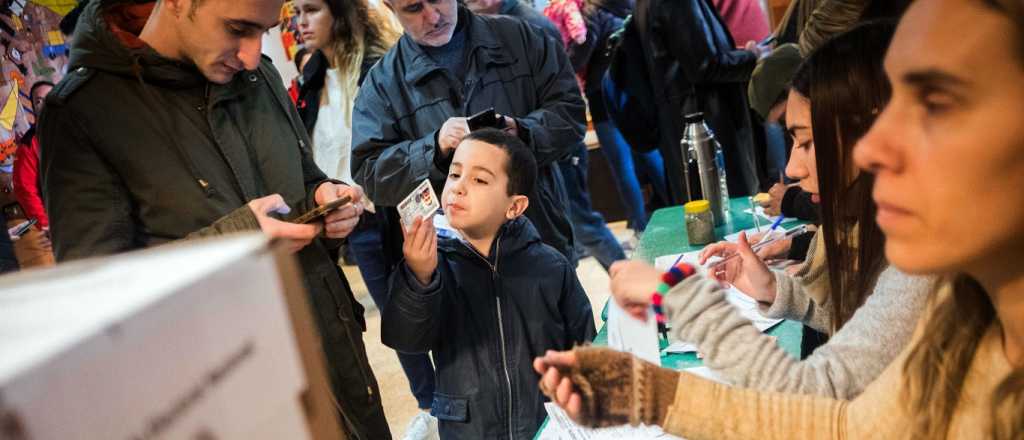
{"type": "Point", "coordinates": [589, 227]}
{"type": "Point", "coordinates": [365, 244]}
{"type": "Point", "coordinates": [620, 159]}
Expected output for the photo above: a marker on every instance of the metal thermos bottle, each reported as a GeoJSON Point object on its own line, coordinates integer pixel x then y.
{"type": "Point", "coordinates": [703, 159]}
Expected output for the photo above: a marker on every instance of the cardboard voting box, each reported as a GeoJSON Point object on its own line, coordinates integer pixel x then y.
{"type": "Point", "coordinates": [204, 340]}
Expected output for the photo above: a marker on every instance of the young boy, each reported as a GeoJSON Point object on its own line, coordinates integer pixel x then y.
{"type": "Point", "coordinates": [488, 303]}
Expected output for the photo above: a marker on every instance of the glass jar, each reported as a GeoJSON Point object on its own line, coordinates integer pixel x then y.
{"type": "Point", "coordinates": [700, 225]}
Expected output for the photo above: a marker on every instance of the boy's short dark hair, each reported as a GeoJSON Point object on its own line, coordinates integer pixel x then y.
{"type": "Point", "coordinates": [521, 167]}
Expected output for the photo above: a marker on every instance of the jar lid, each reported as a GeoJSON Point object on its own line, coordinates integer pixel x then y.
{"type": "Point", "coordinates": [697, 207]}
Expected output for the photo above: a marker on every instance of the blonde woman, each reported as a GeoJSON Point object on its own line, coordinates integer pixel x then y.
{"type": "Point", "coordinates": [346, 38]}
{"type": "Point", "coordinates": [948, 158]}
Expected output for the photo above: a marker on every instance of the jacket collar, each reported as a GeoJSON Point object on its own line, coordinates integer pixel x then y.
{"type": "Point", "coordinates": [514, 236]}
{"type": "Point", "coordinates": [479, 35]}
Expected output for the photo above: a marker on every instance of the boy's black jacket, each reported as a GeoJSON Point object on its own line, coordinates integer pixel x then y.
{"type": "Point", "coordinates": [485, 320]}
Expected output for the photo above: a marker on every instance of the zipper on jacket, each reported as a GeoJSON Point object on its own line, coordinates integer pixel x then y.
{"type": "Point", "coordinates": [501, 327]}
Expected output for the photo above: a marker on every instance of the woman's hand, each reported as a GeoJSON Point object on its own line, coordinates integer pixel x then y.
{"type": "Point", "coordinates": [633, 283]}
{"type": "Point", "coordinates": [775, 194]}
{"type": "Point", "coordinates": [600, 387]}
{"type": "Point", "coordinates": [773, 251]}
{"type": "Point", "coordinates": [556, 384]}
{"type": "Point", "coordinates": [746, 271]}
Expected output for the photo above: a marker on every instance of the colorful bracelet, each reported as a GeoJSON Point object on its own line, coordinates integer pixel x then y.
{"type": "Point", "coordinates": [669, 279]}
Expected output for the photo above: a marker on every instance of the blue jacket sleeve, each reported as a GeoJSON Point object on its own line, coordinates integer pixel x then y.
{"type": "Point", "coordinates": [385, 164]}
{"type": "Point", "coordinates": [556, 126]}
{"type": "Point", "coordinates": [683, 29]}
{"type": "Point", "coordinates": [410, 321]}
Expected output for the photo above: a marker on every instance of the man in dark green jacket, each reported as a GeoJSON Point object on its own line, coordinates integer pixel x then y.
{"type": "Point", "coordinates": [171, 126]}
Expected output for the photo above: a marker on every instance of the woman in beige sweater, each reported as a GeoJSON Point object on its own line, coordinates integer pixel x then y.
{"type": "Point", "coordinates": [948, 158]}
{"type": "Point", "coordinates": [870, 314]}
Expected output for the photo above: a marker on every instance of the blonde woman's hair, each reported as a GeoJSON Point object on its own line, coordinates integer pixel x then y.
{"type": "Point", "coordinates": [359, 31]}
{"type": "Point", "coordinates": [937, 366]}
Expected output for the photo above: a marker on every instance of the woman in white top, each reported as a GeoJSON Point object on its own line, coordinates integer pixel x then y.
{"type": "Point", "coordinates": [347, 37]}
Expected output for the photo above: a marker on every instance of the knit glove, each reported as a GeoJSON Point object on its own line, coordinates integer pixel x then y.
{"type": "Point", "coordinates": [619, 388]}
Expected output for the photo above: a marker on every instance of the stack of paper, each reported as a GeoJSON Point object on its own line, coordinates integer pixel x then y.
{"type": "Point", "coordinates": [561, 427]}
{"type": "Point", "coordinates": [747, 307]}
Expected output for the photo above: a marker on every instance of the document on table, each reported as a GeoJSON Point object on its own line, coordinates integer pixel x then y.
{"type": "Point", "coordinates": [692, 258]}
{"type": "Point", "coordinates": [764, 215]}
{"type": "Point", "coordinates": [561, 427]}
{"type": "Point", "coordinates": [735, 237]}
{"type": "Point", "coordinates": [630, 335]}
{"type": "Point", "coordinates": [746, 305]}
{"type": "Point", "coordinates": [680, 347]}
{"type": "Point", "coordinates": [748, 308]}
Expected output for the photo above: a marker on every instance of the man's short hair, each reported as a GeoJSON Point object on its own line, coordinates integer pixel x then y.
{"type": "Point", "coordinates": [521, 167]}
{"type": "Point", "coordinates": [35, 86]}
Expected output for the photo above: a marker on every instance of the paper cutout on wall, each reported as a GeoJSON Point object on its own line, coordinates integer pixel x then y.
{"type": "Point", "coordinates": [9, 110]}
{"type": "Point", "coordinates": [291, 39]}
{"type": "Point", "coordinates": [34, 51]}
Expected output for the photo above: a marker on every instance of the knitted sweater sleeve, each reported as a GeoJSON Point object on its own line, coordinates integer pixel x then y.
{"type": "Point", "coordinates": [842, 368]}
{"type": "Point", "coordinates": [703, 409]}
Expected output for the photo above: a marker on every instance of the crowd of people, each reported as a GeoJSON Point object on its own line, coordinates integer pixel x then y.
{"type": "Point", "coordinates": [897, 139]}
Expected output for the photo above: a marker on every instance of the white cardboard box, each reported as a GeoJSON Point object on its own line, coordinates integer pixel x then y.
{"type": "Point", "coordinates": [204, 340]}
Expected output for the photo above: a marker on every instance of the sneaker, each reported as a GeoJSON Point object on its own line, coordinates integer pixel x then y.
{"type": "Point", "coordinates": [423, 426]}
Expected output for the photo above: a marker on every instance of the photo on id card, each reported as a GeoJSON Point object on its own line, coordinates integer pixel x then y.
{"type": "Point", "coordinates": [420, 203]}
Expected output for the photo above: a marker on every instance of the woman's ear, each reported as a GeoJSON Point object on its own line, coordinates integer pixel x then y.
{"type": "Point", "coordinates": [518, 206]}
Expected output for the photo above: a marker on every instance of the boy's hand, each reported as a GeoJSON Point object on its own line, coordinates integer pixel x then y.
{"type": "Point", "coordinates": [420, 248]}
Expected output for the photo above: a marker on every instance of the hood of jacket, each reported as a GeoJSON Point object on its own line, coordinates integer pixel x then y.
{"type": "Point", "coordinates": [107, 39]}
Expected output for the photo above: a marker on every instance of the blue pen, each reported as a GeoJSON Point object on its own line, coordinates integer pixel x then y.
{"type": "Point", "coordinates": [775, 226]}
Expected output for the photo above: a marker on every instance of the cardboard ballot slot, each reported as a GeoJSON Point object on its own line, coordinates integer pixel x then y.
{"type": "Point", "coordinates": [205, 340]}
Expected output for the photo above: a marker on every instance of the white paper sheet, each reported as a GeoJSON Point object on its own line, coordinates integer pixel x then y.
{"type": "Point", "coordinates": [764, 215]}
{"type": "Point", "coordinates": [735, 237]}
{"type": "Point", "coordinates": [666, 261]}
{"type": "Point", "coordinates": [680, 347]}
{"type": "Point", "coordinates": [561, 427]}
{"type": "Point", "coordinates": [748, 308]}
{"type": "Point", "coordinates": [746, 305]}
{"type": "Point", "coordinates": [630, 335]}
{"type": "Point", "coordinates": [708, 374]}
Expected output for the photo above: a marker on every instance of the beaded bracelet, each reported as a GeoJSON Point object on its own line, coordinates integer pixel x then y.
{"type": "Point", "coordinates": [669, 279]}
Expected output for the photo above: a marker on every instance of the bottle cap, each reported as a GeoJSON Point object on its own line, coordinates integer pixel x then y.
{"type": "Point", "coordinates": [697, 207]}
